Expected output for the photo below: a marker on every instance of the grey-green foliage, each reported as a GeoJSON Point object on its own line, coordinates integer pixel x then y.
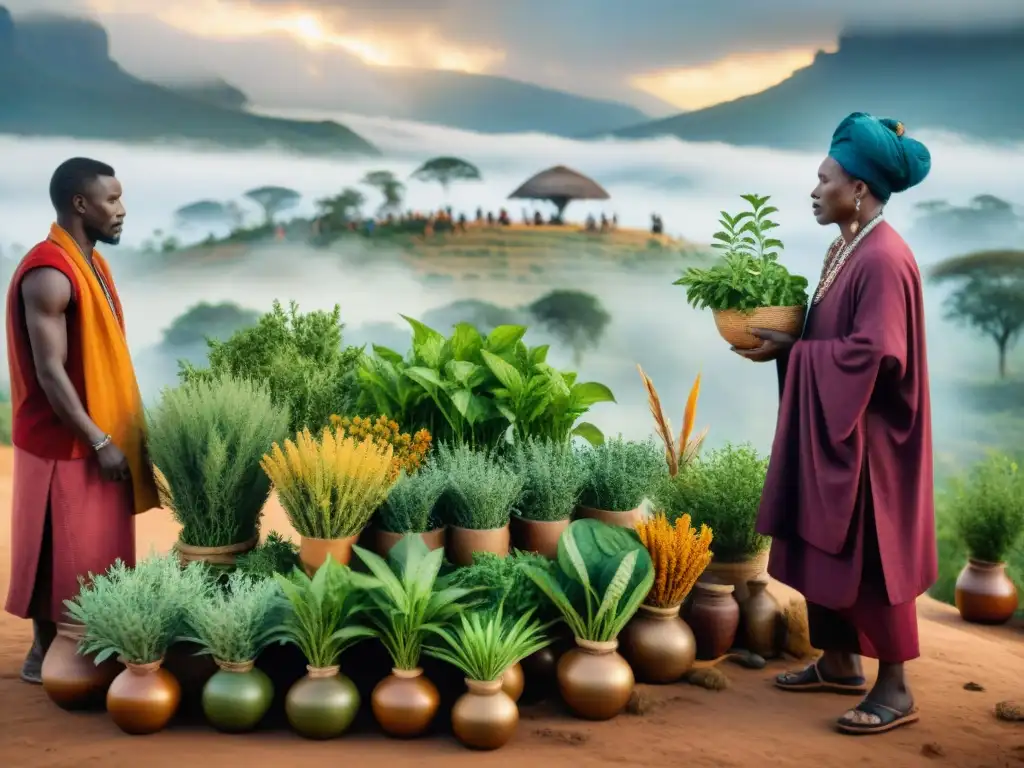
{"type": "Point", "coordinates": [620, 474]}
{"type": "Point", "coordinates": [410, 504]}
{"type": "Point", "coordinates": [481, 489]}
{"type": "Point", "coordinates": [137, 613]}
{"type": "Point", "coordinates": [552, 478]}
{"type": "Point", "coordinates": [987, 507]}
{"type": "Point", "coordinates": [207, 438]}
{"type": "Point", "coordinates": [721, 489]}
{"type": "Point", "coordinates": [236, 622]}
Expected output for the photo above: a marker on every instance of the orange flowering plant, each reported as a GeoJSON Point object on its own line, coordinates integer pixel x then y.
{"type": "Point", "coordinates": [680, 554]}
{"type": "Point", "coordinates": [408, 451]}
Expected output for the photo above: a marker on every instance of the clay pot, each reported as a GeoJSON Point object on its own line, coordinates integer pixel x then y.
{"type": "Point", "coordinates": [237, 697]}
{"type": "Point", "coordinates": [985, 594]}
{"type": "Point", "coordinates": [540, 536]}
{"type": "Point", "coordinates": [463, 542]}
{"type": "Point", "coordinates": [383, 541]}
{"type": "Point", "coordinates": [484, 717]}
{"type": "Point", "coordinates": [513, 681]}
{"type": "Point", "coordinates": [738, 574]}
{"type": "Point", "coordinates": [226, 555]}
{"type": "Point", "coordinates": [71, 680]}
{"type": "Point", "coordinates": [323, 704]}
{"type": "Point", "coordinates": [714, 617]}
{"type": "Point", "coordinates": [628, 519]}
{"type": "Point", "coordinates": [540, 674]}
{"type": "Point", "coordinates": [313, 552]}
{"type": "Point", "coordinates": [760, 617]}
{"type": "Point", "coordinates": [594, 680]}
{"type": "Point", "coordinates": [405, 703]}
{"type": "Point", "coordinates": [658, 645]}
{"type": "Point", "coordinates": [143, 698]}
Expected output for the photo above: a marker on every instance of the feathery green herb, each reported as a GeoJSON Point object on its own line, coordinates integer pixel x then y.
{"type": "Point", "coordinates": [552, 478]}
{"type": "Point", "coordinates": [410, 504]}
{"type": "Point", "coordinates": [275, 555]}
{"type": "Point", "coordinates": [236, 623]}
{"type": "Point", "coordinates": [481, 489]}
{"type": "Point", "coordinates": [619, 474]}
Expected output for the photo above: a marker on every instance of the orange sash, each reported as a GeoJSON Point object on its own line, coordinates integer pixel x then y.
{"type": "Point", "coordinates": [111, 390]}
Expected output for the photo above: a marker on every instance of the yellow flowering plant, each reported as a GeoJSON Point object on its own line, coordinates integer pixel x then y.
{"type": "Point", "coordinates": [408, 451]}
{"type": "Point", "coordinates": [680, 554]}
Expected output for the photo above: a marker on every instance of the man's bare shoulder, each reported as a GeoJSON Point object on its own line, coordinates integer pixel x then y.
{"type": "Point", "coordinates": [46, 290]}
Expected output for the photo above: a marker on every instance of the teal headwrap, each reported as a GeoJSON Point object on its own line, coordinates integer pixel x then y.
{"type": "Point", "coordinates": [875, 151]}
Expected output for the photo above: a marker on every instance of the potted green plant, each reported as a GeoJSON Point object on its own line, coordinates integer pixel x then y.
{"type": "Point", "coordinates": [603, 574]}
{"type": "Point", "coordinates": [206, 440]}
{"type": "Point", "coordinates": [478, 502]}
{"type": "Point", "coordinates": [234, 624]}
{"type": "Point", "coordinates": [134, 614]}
{"type": "Point", "coordinates": [749, 288]}
{"type": "Point", "coordinates": [409, 508]}
{"type": "Point", "coordinates": [987, 508]}
{"type": "Point", "coordinates": [552, 480]}
{"type": "Point", "coordinates": [619, 476]}
{"type": "Point", "coordinates": [276, 554]}
{"type": "Point", "coordinates": [722, 490]}
{"type": "Point", "coordinates": [330, 487]}
{"type": "Point", "coordinates": [483, 646]}
{"type": "Point", "coordinates": [323, 620]}
{"type": "Point", "coordinates": [407, 603]}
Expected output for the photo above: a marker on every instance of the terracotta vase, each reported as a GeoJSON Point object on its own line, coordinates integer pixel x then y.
{"type": "Point", "coordinates": [760, 617]}
{"type": "Point", "coordinates": [383, 541]}
{"type": "Point", "coordinates": [658, 645]}
{"type": "Point", "coordinates": [143, 698]}
{"type": "Point", "coordinates": [738, 574]}
{"type": "Point", "coordinates": [513, 681]}
{"type": "Point", "coordinates": [484, 717]}
{"type": "Point", "coordinates": [71, 680]}
{"type": "Point", "coordinates": [323, 704]}
{"type": "Point", "coordinates": [714, 617]}
{"type": "Point", "coordinates": [463, 542]}
{"type": "Point", "coordinates": [405, 703]}
{"type": "Point", "coordinates": [226, 555]}
{"type": "Point", "coordinates": [237, 697]}
{"type": "Point", "coordinates": [540, 536]}
{"type": "Point", "coordinates": [594, 680]}
{"type": "Point", "coordinates": [313, 552]}
{"type": "Point", "coordinates": [627, 519]}
{"type": "Point", "coordinates": [985, 594]}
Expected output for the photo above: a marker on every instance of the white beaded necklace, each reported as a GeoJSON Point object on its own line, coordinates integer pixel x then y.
{"type": "Point", "coordinates": [837, 257]}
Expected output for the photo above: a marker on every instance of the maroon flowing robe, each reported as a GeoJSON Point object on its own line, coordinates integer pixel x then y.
{"type": "Point", "coordinates": [851, 465]}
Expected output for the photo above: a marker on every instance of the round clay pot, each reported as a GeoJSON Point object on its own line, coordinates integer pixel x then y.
{"type": "Point", "coordinates": [323, 704]}
{"type": "Point", "coordinates": [237, 697]}
{"type": "Point", "coordinates": [714, 617]}
{"type": "Point", "coordinates": [405, 703]}
{"type": "Point", "coordinates": [738, 574]}
{"type": "Point", "coordinates": [463, 542]}
{"type": "Point", "coordinates": [383, 541]}
{"type": "Point", "coordinates": [484, 717]}
{"type": "Point", "coordinates": [540, 536]}
{"type": "Point", "coordinates": [658, 645]}
{"type": "Point", "coordinates": [627, 519]}
{"type": "Point", "coordinates": [513, 682]}
{"type": "Point", "coordinates": [985, 594]}
{"type": "Point", "coordinates": [760, 617]}
{"type": "Point", "coordinates": [540, 674]}
{"type": "Point", "coordinates": [313, 552]}
{"type": "Point", "coordinates": [143, 698]}
{"type": "Point", "coordinates": [594, 680]}
{"type": "Point", "coordinates": [73, 681]}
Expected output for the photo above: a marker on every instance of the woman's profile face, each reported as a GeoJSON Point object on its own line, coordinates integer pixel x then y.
{"type": "Point", "coordinates": [835, 198]}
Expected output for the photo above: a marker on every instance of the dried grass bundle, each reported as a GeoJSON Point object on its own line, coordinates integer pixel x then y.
{"type": "Point", "coordinates": [680, 554]}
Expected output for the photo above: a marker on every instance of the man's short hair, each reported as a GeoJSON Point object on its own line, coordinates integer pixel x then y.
{"type": "Point", "coordinates": [71, 178]}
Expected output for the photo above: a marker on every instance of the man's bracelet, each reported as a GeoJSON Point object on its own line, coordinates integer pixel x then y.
{"type": "Point", "coordinates": [99, 445]}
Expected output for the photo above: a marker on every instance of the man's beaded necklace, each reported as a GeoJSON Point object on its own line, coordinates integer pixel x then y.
{"type": "Point", "coordinates": [838, 255]}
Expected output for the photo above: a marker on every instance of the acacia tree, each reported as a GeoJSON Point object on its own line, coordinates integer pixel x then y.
{"type": "Point", "coordinates": [336, 212]}
{"type": "Point", "coordinates": [273, 200]}
{"type": "Point", "coordinates": [988, 295]}
{"type": "Point", "coordinates": [202, 212]}
{"type": "Point", "coordinates": [576, 318]}
{"type": "Point", "coordinates": [208, 321]}
{"type": "Point", "coordinates": [390, 187]}
{"type": "Point", "coordinates": [445, 170]}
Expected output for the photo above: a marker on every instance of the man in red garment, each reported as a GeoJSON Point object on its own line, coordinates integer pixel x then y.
{"type": "Point", "coordinates": [72, 510]}
{"type": "Point", "coordinates": [848, 500]}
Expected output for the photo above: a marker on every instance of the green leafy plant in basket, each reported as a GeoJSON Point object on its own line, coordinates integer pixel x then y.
{"type": "Point", "coordinates": [206, 440]}
{"type": "Point", "coordinates": [408, 604]}
{"type": "Point", "coordinates": [234, 624]}
{"type": "Point", "coordinates": [324, 619]}
{"type": "Point", "coordinates": [749, 288]}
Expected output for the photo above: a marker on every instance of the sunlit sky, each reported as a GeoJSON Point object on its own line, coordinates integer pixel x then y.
{"type": "Point", "coordinates": [686, 54]}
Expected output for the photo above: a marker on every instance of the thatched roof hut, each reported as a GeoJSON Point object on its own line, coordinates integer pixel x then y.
{"type": "Point", "coordinates": [560, 185]}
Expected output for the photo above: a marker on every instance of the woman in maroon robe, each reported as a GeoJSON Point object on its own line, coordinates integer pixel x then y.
{"type": "Point", "coordinates": [848, 500]}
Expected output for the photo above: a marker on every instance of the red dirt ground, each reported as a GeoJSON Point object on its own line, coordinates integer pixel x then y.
{"type": "Point", "coordinates": [749, 725]}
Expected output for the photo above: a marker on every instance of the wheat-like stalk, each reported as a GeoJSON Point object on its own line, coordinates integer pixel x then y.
{"type": "Point", "coordinates": [677, 454]}
{"type": "Point", "coordinates": [680, 555]}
